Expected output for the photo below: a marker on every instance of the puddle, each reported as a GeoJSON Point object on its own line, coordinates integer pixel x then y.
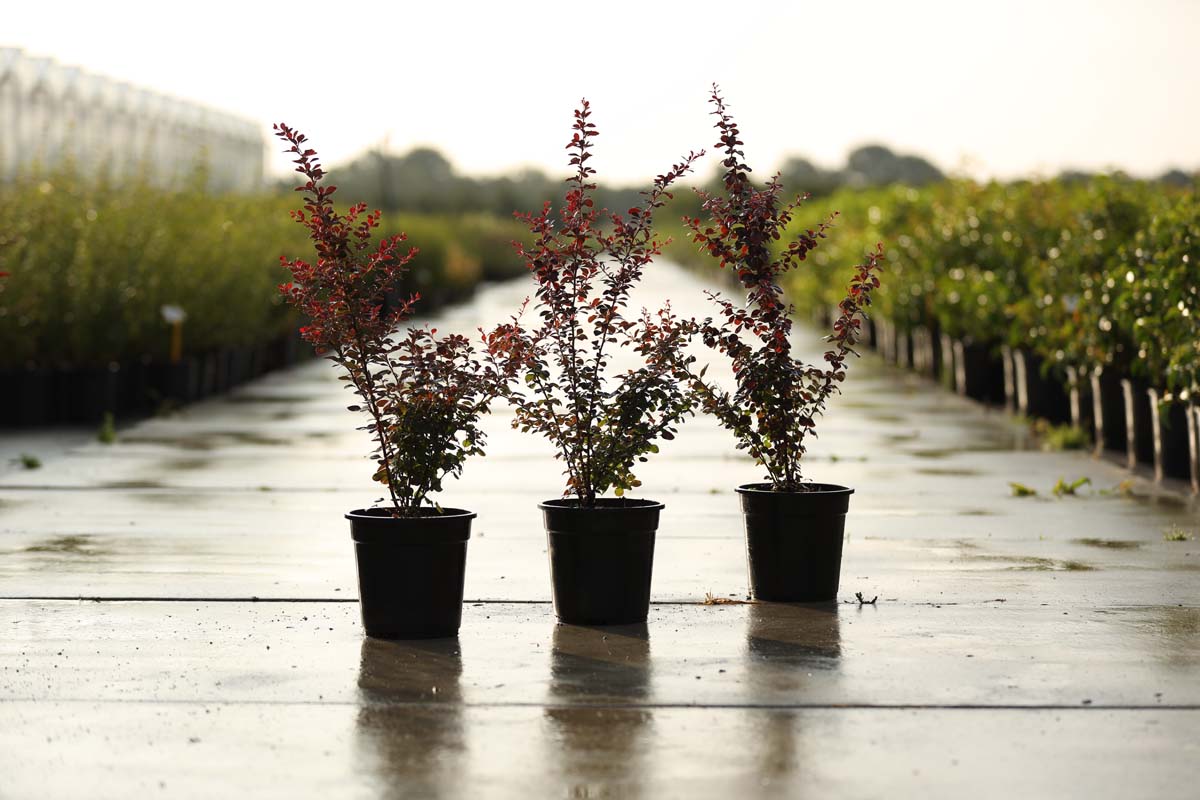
{"type": "Point", "coordinates": [182, 442]}
{"type": "Point", "coordinates": [208, 441]}
{"type": "Point", "coordinates": [977, 512]}
{"type": "Point", "coordinates": [249, 437]}
{"type": "Point", "coordinates": [862, 404]}
{"type": "Point", "coordinates": [68, 545]}
{"type": "Point", "coordinates": [1110, 544]}
{"type": "Point", "coordinates": [978, 446]}
{"type": "Point", "coordinates": [961, 472]}
{"type": "Point", "coordinates": [133, 485]}
{"type": "Point", "coordinates": [1034, 563]}
{"type": "Point", "coordinates": [185, 464]}
{"type": "Point", "coordinates": [1159, 499]}
{"type": "Point", "coordinates": [179, 501]}
{"type": "Point", "coordinates": [275, 398]}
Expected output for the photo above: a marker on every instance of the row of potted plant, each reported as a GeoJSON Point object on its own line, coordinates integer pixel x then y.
{"type": "Point", "coordinates": [124, 296]}
{"type": "Point", "coordinates": [422, 394]}
{"type": "Point", "coordinates": [43, 396]}
{"type": "Point", "coordinates": [1075, 301]}
{"type": "Point", "coordinates": [91, 266]}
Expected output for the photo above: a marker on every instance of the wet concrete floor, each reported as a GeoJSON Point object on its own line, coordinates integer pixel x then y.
{"type": "Point", "coordinates": [178, 618]}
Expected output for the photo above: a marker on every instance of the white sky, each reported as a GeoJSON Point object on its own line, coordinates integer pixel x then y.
{"type": "Point", "coordinates": [1003, 88]}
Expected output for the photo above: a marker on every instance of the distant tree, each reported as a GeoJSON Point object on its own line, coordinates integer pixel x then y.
{"type": "Point", "coordinates": [916, 171]}
{"type": "Point", "coordinates": [424, 180]}
{"type": "Point", "coordinates": [1075, 176]}
{"type": "Point", "coordinates": [876, 165]}
{"type": "Point", "coordinates": [1178, 178]}
{"type": "Point", "coordinates": [799, 175]}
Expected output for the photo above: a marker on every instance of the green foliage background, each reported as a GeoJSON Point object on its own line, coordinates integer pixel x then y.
{"type": "Point", "coordinates": [91, 264]}
{"type": "Point", "coordinates": [1100, 271]}
{"type": "Point", "coordinates": [1084, 272]}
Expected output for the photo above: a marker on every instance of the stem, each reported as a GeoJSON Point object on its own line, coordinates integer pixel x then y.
{"type": "Point", "coordinates": [380, 430]}
{"type": "Point", "coordinates": [571, 468]}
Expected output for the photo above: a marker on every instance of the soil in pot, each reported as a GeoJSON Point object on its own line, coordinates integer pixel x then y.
{"type": "Point", "coordinates": [410, 571]}
{"type": "Point", "coordinates": [794, 541]}
{"type": "Point", "coordinates": [601, 559]}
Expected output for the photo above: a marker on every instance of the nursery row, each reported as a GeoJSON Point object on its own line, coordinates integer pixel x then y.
{"type": "Point", "coordinates": [1072, 301]}
{"type": "Point", "coordinates": [116, 286]}
{"type": "Point", "coordinates": [1082, 274]}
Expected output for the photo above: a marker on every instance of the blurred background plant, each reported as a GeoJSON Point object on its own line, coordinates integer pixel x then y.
{"type": "Point", "coordinates": [1081, 271]}
{"type": "Point", "coordinates": [92, 262]}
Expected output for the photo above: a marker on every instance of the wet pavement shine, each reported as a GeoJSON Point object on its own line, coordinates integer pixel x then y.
{"type": "Point", "coordinates": [178, 617]}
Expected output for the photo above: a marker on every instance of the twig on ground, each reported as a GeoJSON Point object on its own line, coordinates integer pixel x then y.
{"type": "Point", "coordinates": [712, 600]}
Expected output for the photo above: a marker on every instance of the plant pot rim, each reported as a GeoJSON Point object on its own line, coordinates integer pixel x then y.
{"type": "Point", "coordinates": [377, 526]}
{"type": "Point", "coordinates": [380, 513]}
{"type": "Point", "coordinates": [604, 505]}
{"type": "Point", "coordinates": [818, 490]}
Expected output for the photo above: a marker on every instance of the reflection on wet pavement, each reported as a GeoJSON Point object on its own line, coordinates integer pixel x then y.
{"type": "Point", "coordinates": [409, 728]}
{"type": "Point", "coordinates": [598, 751]}
{"type": "Point", "coordinates": [799, 637]}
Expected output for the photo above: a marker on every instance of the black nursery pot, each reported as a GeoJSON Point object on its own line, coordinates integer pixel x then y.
{"type": "Point", "coordinates": [794, 541]}
{"type": "Point", "coordinates": [601, 559]}
{"type": "Point", "coordinates": [410, 571]}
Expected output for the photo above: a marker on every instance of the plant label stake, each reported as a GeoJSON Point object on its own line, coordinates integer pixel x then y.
{"type": "Point", "coordinates": [175, 316]}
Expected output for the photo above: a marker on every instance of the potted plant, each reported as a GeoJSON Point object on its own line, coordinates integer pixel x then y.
{"type": "Point", "coordinates": [422, 395]}
{"type": "Point", "coordinates": [794, 528]}
{"type": "Point", "coordinates": [602, 421]}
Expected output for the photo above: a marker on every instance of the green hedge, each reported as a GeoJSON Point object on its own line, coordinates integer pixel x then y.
{"type": "Point", "coordinates": [1083, 273]}
{"type": "Point", "coordinates": [91, 264]}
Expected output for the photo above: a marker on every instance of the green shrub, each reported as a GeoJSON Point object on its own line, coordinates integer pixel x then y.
{"type": "Point", "coordinates": [1082, 273]}
{"type": "Point", "coordinates": [92, 264]}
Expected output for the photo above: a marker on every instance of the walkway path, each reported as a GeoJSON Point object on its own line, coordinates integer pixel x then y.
{"type": "Point", "coordinates": [178, 618]}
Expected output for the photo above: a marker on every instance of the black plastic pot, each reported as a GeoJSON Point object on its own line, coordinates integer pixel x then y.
{"type": "Point", "coordinates": [1139, 425]}
{"type": "Point", "coordinates": [174, 384]}
{"type": "Point", "coordinates": [136, 397]}
{"type": "Point", "coordinates": [925, 352]}
{"type": "Point", "coordinates": [1108, 410]}
{"type": "Point", "coordinates": [1039, 394]}
{"type": "Point", "coordinates": [979, 372]}
{"type": "Point", "coordinates": [88, 393]}
{"type": "Point", "coordinates": [903, 349]}
{"type": "Point", "coordinates": [410, 571]}
{"type": "Point", "coordinates": [241, 365]}
{"type": "Point", "coordinates": [886, 340]}
{"type": "Point", "coordinates": [601, 559]}
{"type": "Point", "coordinates": [794, 541]}
{"type": "Point", "coordinates": [28, 397]}
{"type": "Point", "coordinates": [1170, 431]}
